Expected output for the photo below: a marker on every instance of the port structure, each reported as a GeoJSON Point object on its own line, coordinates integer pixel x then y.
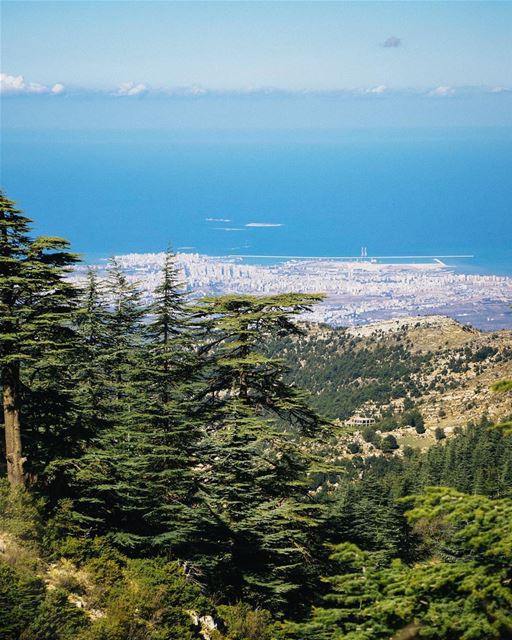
{"type": "Point", "coordinates": [436, 257]}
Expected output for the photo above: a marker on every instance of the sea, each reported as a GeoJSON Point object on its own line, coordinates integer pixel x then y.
{"type": "Point", "coordinates": [272, 192]}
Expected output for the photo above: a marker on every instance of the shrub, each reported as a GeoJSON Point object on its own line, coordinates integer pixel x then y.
{"type": "Point", "coordinates": [20, 514]}
{"type": "Point", "coordinates": [240, 622]}
{"type": "Point", "coordinates": [21, 594]}
{"type": "Point", "coordinates": [149, 600]}
{"type": "Point", "coordinates": [439, 433]}
{"type": "Point", "coordinates": [389, 443]}
{"type": "Point", "coordinates": [354, 447]}
{"type": "Point", "coordinates": [57, 619]}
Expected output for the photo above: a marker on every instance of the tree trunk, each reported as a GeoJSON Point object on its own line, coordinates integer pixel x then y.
{"type": "Point", "coordinates": [11, 400]}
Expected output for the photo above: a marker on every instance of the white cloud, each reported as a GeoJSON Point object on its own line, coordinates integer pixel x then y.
{"type": "Point", "coordinates": [229, 229]}
{"type": "Point", "coordinates": [57, 88]}
{"type": "Point", "coordinates": [11, 84]}
{"type": "Point", "coordinates": [217, 219]}
{"type": "Point", "coordinates": [18, 85]}
{"type": "Point", "coordinates": [131, 89]}
{"type": "Point", "coordinates": [196, 91]}
{"type": "Point", "coordinates": [501, 90]}
{"type": "Point", "coordinates": [263, 224]}
{"type": "Point", "coordinates": [443, 91]}
{"type": "Point", "coordinates": [379, 90]}
{"type": "Point", "coordinates": [392, 42]}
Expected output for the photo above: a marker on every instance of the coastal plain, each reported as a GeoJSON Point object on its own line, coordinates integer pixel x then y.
{"type": "Point", "coordinates": [357, 292]}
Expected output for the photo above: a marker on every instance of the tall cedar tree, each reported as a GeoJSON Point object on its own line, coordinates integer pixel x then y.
{"type": "Point", "coordinates": [109, 476]}
{"type": "Point", "coordinates": [258, 540]}
{"type": "Point", "coordinates": [36, 304]}
{"type": "Point", "coordinates": [90, 380]}
{"type": "Point", "coordinates": [171, 430]}
{"type": "Point", "coordinates": [92, 374]}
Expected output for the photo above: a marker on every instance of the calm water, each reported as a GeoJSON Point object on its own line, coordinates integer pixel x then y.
{"type": "Point", "coordinates": [401, 193]}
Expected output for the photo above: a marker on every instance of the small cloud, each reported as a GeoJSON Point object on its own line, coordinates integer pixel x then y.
{"type": "Point", "coordinates": [229, 229]}
{"type": "Point", "coordinates": [131, 89]}
{"type": "Point", "coordinates": [441, 92]}
{"type": "Point", "coordinates": [263, 224]}
{"type": "Point", "coordinates": [184, 248]}
{"type": "Point", "coordinates": [379, 90]}
{"type": "Point", "coordinates": [185, 92]}
{"type": "Point", "coordinates": [11, 84]}
{"type": "Point", "coordinates": [17, 85]}
{"type": "Point", "coordinates": [392, 42]}
{"type": "Point", "coordinates": [217, 219]}
{"type": "Point", "coordinates": [57, 88]}
{"type": "Point", "coordinates": [501, 90]}
{"type": "Point", "coordinates": [196, 91]}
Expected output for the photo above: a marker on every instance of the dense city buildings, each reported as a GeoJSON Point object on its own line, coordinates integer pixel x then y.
{"type": "Point", "coordinates": [357, 292]}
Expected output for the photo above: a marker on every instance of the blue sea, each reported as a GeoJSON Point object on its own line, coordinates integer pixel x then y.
{"type": "Point", "coordinates": [394, 192]}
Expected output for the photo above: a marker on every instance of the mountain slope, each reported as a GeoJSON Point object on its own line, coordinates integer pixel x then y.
{"type": "Point", "coordinates": [433, 363]}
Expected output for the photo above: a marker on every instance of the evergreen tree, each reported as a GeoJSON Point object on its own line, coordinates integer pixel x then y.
{"type": "Point", "coordinates": [259, 535]}
{"type": "Point", "coordinates": [109, 476]}
{"type": "Point", "coordinates": [92, 374]}
{"type": "Point", "coordinates": [465, 595]}
{"type": "Point", "coordinates": [36, 304]}
{"type": "Point", "coordinates": [171, 432]}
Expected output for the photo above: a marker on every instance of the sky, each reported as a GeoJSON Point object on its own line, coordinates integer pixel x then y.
{"type": "Point", "coordinates": [74, 64]}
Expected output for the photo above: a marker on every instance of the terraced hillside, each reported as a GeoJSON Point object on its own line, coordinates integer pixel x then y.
{"type": "Point", "coordinates": [435, 364]}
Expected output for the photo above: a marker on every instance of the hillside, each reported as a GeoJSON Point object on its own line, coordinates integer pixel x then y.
{"type": "Point", "coordinates": [435, 364]}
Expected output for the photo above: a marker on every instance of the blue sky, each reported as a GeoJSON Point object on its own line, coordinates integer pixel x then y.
{"type": "Point", "coordinates": [338, 62]}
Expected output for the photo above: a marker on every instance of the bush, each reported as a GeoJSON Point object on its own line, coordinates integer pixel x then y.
{"type": "Point", "coordinates": [21, 594]}
{"type": "Point", "coordinates": [388, 424]}
{"type": "Point", "coordinates": [354, 447]}
{"type": "Point", "coordinates": [149, 600]}
{"type": "Point", "coordinates": [20, 514]}
{"type": "Point", "coordinates": [370, 435]}
{"type": "Point", "coordinates": [389, 443]}
{"type": "Point", "coordinates": [240, 622]}
{"type": "Point", "coordinates": [439, 433]}
{"type": "Point", "coordinates": [413, 419]}
{"type": "Point", "coordinates": [57, 619]}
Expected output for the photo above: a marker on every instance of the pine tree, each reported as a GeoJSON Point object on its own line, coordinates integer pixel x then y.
{"type": "Point", "coordinates": [36, 304]}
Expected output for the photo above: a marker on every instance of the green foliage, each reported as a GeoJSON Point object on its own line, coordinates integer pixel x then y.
{"type": "Point", "coordinates": [56, 619]}
{"type": "Point", "coordinates": [36, 304]}
{"type": "Point", "coordinates": [20, 514]}
{"type": "Point", "coordinates": [108, 476]}
{"type": "Point", "coordinates": [21, 594]}
{"type": "Point", "coordinates": [414, 419]}
{"type": "Point", "coordinates": [179, 477]}
{"type": "Point", "coordinates": [388, 423]}
{"type": "Point", "coordinates": [343, 373]}
{"type": "Point", "coordinates": [146, 599]}
{"type": "Point", "coordinates": [261, 521]}
{"type": "Point", "coordinates": [466, 598]}
{"type": "Point", "coordinates": [240, 622]}
{"type": "Point", "coordinates": [389, 443]}
{"type": "Point", "coordinates": [439, 433]}
{"type": "Point", "coordinates": [502, 386]}
{"type": "Point", "coordinates": [354, 447]}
